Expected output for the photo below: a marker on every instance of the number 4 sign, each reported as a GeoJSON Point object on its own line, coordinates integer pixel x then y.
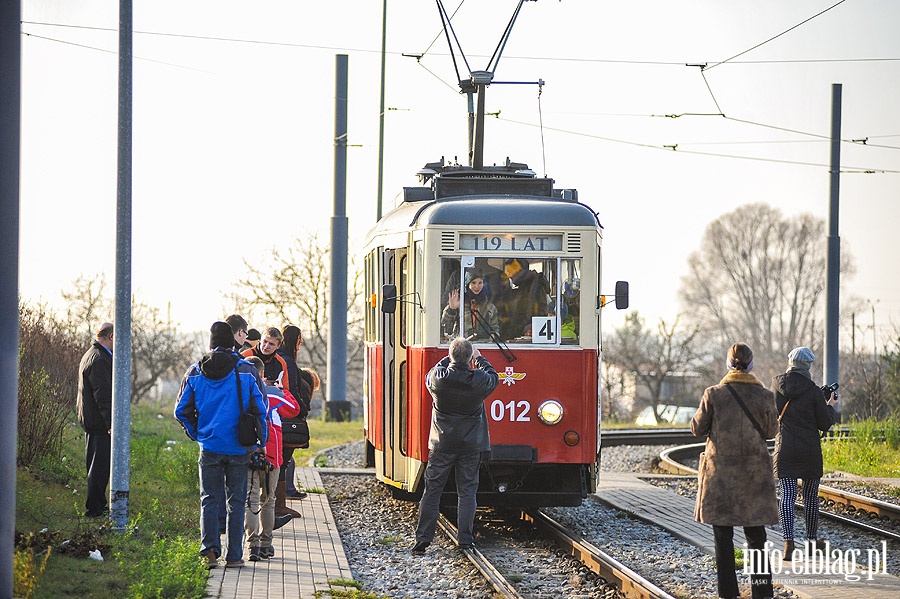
{"type": "Point", "coordinates": [544, 329]}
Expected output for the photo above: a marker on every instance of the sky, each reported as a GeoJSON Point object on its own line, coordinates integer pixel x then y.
{"type": "Point", "coordinates": [234, 126]}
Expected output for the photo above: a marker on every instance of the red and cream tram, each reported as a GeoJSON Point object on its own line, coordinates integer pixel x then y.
{"type": "Point", "coordinates": [536, 250]}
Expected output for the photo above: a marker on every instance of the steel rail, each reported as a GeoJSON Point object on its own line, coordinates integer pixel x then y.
{"type": "Point", "coordinates": [497, 580]}
{"type": "Point", "coordinates": [629, 582]}
{"type": "Point", "coordinates": [847, 499]}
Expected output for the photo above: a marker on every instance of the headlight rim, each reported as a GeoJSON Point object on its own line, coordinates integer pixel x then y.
{"type": "Point", "coordinates": [559, 406]}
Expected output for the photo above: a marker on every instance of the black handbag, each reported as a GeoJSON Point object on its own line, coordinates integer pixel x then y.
{"type": "Point", "coordinates": [295, 431]}
{"type": "Point", "coordinates": [248, 422]}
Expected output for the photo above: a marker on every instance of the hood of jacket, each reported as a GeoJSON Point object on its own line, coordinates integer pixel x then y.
{"type": "Point", "coordinates": [792, 384]}
{"type": "Point", "coordinates": [216, 365]}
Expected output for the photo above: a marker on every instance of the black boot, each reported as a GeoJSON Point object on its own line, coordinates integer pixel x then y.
{"type": "Point", "coordinates": [788, 550]}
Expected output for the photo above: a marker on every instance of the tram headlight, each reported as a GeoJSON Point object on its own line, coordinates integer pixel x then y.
{"type": "Point", "coordinates": [550, 412]}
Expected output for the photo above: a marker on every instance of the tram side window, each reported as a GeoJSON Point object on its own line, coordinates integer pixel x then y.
{"type": "Point", "coordinates": [569, 301]}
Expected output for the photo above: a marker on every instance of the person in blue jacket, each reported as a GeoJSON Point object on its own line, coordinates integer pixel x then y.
{"type": "Point", "coordinates": [208, 410]}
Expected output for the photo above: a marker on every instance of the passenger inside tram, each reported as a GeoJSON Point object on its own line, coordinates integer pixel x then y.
{"type": "Point", "coordinates": [479, 313]}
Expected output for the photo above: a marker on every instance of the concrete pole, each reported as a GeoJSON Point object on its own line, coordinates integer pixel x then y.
{"type": "Point", "coordinates": [121, 415]}
{"type": "Point", "coordinates": [832, 308]}
{"type": "Point", "coordinates": [338, 408]}
{"type": "Point", "coordinates": [10, 132]}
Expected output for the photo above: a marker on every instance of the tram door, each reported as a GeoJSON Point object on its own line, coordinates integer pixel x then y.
{"type": "Point", "coordinates": [394, 369]}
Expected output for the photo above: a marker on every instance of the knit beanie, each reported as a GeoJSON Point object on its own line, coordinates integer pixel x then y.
{"type": "Point", "coordinates": [220, 335]}
{"type": "Point", "coordinates": [740, 357]}
{"type": "Point", "coordinates": [471, 275]}
{"type": "Point", "coordinates": [800, 358]}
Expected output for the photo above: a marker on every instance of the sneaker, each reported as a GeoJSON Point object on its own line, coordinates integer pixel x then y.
{"type": "Point", "coordinates": [467, 547]}
{"type": "Point", "coordinates": [266, 552]}
{"type": "Point", "coordinates": [420, 547]}
{"type": "Point", "coordinates": [295, 494]}
{"type": "Point", "coordinates": [238, 563]}
{"type": "Point", "coordinates": [212, 559]}
{"type": "Point", "coordinates": [282, 520]}
{"type": "Point", "coordinates": [254, 554]}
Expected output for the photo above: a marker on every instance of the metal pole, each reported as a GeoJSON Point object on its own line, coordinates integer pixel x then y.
{"type": "Point", "coordinates": [338, 407]}
{"type": "Point", "coordinates": [478, 145]}
{"type": "Point", "coordinates": [121, 416]}
{"type": "Point", "coordinates": [381, 112]}
{"type": "Point", "coordinates": [834, 242]}
{"type": "Point", "coordinates": [10, 132]}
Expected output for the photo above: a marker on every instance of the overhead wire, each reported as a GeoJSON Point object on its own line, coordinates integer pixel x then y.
{"type": "Point", "coordinates": [428, 49]}
{"type": "Point", "coordinates": [703, 68]}
{"type": "Point", "coordinates": [674, 148]}
{"type": "Point", "coordinates": [776, 36]}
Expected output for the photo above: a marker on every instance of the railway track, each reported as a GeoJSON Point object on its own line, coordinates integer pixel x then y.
{"type": "Point", "coordinates": [629, 583]}
{"type": "Point", "coordinates": [830, 497]}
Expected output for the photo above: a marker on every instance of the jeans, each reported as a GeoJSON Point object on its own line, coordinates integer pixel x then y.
{"type": "Point", "coordinates": [259, 521]}
{"type": "Point", "coordinates": [760, 582]}
{"type": "Point", "coordinates": [289, 469]}
{"type": "Point", "coordinates": [223, 474]}
{"type": "Point", "coordinates": [436, 474]}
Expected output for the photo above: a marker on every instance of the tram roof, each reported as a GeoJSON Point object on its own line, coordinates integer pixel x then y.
{"type": "Point", "coordinates": [493, 210]}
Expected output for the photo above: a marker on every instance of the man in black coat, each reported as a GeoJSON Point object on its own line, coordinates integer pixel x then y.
{"type": "Point", "coordinates": [94, 405]}
{"type": "Point", "coordinates": [459, 436]}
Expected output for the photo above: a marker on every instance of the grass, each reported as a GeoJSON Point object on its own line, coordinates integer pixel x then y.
{"type": "Point", "coordinates": [157, 556]}
{"type": "Point", "coordinates": [873, 450]}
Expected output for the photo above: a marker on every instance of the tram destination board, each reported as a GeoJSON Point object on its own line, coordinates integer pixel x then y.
{"type": "Point", "coordinates": [521, 242]}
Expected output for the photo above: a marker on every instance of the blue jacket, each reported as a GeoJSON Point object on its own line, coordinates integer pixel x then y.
{"type": "Point", "coordinates": [208, 402]}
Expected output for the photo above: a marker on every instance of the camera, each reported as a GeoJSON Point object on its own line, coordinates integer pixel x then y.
{"type": "Point", "coordinates": [258, 461]}
{"type": "Point", "coordinates": [829, 389]}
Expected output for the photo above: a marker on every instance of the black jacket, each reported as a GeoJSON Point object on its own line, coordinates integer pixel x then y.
{"type": "Point", "coordinates": [94, 402]}
{"type": "Point", "coordinates": [458, 420]}
{"type": "Point", "coordinates": [798, 450]}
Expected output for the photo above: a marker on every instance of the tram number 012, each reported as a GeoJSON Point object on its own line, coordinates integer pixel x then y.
{"type": "Point", "coordinates": [514, 411]}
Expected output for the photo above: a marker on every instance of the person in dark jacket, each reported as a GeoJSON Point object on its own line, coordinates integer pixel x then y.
{"type": "Point", "coordinates": [94, 404]}
{"type": "Point", "coordinates": [803, 412]}
{"type": "Point", "coordinates": [459, 436]}
{"type": "Point", "coordinates": [208, 409]}
{"type": "Point", "coordinates": [736, 487]}
{"type": "Point", "coordinates": [238, 326]}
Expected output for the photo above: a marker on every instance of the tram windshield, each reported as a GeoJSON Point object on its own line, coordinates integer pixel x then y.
{"type": "Point", "coordinates": [512, 299]}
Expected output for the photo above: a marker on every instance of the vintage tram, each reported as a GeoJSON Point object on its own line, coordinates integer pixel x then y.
{"type": "Point", "coordinates": [537, 251]}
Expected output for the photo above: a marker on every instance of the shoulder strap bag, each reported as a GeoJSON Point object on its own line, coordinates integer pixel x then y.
{"type": "Point", "coordinates": [747, 412]}
{"type": "Point", "coordinates": [248, 423]}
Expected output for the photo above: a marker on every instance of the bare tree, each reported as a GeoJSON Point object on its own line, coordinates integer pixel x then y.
{"type": "Point", "coordinates": [293, 288]}
{"type": "Point", "coordinates": [759, 277]}
{"type": "Point", "coordinates": [159, 351]}
{"type": "Point", "coordinates": [655, 359]}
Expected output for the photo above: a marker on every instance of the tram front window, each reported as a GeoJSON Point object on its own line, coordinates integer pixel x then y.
{"type": "Point", "coordinates": [513, 299]}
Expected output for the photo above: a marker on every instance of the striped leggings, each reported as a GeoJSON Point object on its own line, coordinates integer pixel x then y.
{"type": "Point", "coordinates": [810, 506]}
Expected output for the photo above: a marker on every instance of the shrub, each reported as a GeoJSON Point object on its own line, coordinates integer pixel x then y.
{"type": "Point", "coordinates": [49, 355]}
{"type": "Point", "coordinates": [26, 573]}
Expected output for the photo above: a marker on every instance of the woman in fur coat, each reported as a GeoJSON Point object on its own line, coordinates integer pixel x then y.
{"type": "Point", "coordinates": [736, 483]}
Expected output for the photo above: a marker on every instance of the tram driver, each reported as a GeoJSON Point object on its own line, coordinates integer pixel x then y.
{"type": "Point", "coordinates": [479, 313]}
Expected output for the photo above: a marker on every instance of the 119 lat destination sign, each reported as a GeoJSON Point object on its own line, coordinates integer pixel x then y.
{"type": "Point", "coordinates": [520, 242]}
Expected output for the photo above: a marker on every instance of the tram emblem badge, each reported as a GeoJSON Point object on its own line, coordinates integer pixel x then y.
{"type": "Point", "coordinates": [509, 377]}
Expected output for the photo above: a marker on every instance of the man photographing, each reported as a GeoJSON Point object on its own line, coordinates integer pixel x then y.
{"type": "Point", "coordinates": [459, 436]}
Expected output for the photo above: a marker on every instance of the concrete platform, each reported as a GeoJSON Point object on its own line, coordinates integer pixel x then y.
{"type": "Point", "coordinates": [309, 556]}
{"type": "Point", "coordinates": [675, 513]}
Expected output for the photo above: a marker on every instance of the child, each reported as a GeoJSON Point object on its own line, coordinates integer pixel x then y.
{"type": "Point", "coordinates": [259, 521]}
